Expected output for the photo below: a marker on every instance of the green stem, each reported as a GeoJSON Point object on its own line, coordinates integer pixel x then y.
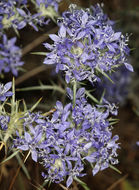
{"type": "Point", "coordinates": [42, 87]}
{"type": "Point", "coordinates": [92, 97]}
{"type": "Point", "coordinates": [84, 185]}
{"type": "Point", "coordinates": [74, 92]}
{"type": "Point", "coordinates": [13, 97]}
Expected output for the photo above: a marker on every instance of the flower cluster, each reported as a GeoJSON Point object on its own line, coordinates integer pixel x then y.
{"type": "Point", "coordinates": [86, 45]}
{"type": "Point", "coordinates": [10, 56]}
{"type": "Point", "coordinates": [68, 139]}
{"type": "Point", "coordinates": [78, 133]}
{"type": "Point", "coordinates": [14, 13]}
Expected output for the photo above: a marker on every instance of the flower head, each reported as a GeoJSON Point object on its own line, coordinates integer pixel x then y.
{"type": "Point", "coordinates": [86, 45]}
{"type": "Point", "coordinates": [10, 56]}
{"type": "Point", "coordinates": [72, 136]}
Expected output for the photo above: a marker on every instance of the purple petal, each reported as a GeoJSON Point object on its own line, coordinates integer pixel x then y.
{"type": "Point", "coordinates": [48, 46]}
{"type": "Point", "coordinates": [62, 31]}
{"type": "Point", "coordinates": [59, 105]}
{"type": "Point", "coordinates": [111, 48]}
{"type": "Point", "coordinates": [80, 92]}
{"type": "Point", "coordinates": [116, 36]}
{"type": "Point", "coordinates": [88, 145]}
{"type": "Point", "coordinates": [84, 18]}
{"type": "Point", "coordinates": [34, 155]}
{"type": "Point", "coordinates": [80, 35]}
{"type": "Point", "coordinates": [69, 92]}
{"type": "Point", "coordinates": [21, 12]}
{"type": "Point", "coordinates": [90, 159]}
{"type": "Point", "coordinates": [8, 85]}
{"type": "Point", "coordinates": [8, 93]}
{"type": "Point", "coordinates": [48, 61]}
{"type": "Point", "coordinates": [2, 98]}
{"type": "Point", "coordinates": [54, 37]}
{"type": "Point", "coordinates": [69, 181]}
{"type": "Point", "coordinates": [129, 67]}
{"type": "Point", "coordinates": [96, 169]}
{"type": "Point", "coordinates": [23, 147]}
{"type": "Point", "coordinates": [28, 137]}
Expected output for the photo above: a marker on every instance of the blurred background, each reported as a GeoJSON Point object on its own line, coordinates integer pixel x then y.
{"type": "Point", "coordinates": [126, 15]}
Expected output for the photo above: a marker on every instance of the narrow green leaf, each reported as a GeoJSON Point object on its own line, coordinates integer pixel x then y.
{"type": "Point", "coordinates": [114, 168]}
{"type": "Point", "coordinates": [39, 53]}
{"type": "Point", "coordinates": [103, 73]}
{"type": "Point", "coordinates": [101, 99]}
{"type": "Point", "coordinates": [84, 185]}
{"type": "Point", "coordinates": [42, 87]}
{"type": "Point", "coordinates": [114, 122]}
{"type": "Point", "coordinates": [91, 97]}
{"type": "Point", "coordinates": [23, 166]}
{"type": "Point", "coordinates": [35, 105]}
{"type": "Point", "coordinates": [10, 157]}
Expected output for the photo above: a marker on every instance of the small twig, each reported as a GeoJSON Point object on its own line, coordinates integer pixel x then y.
{"type": "Point", "coordinates": [27, 49]}
{"type": "Point", "coordinates": [1, 146]}
{"type": "Point", "coordinates": [65, 188]}
{"type": "Point", "coordinates": [38, 41]}
{"type": "Point", "coordinates": [117, 182]}
{"type": "Point", "coordinates": [30, 74]}
{"type": "Point", "coordinates": [36, 186]}
{"type": "Point", "coordinates": [17, 172]}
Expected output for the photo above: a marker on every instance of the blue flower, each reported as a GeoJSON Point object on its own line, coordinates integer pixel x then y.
{"type": "Point", "coordinates": [52, 3]}
{"type": "Point", "coordinates": [28, 18]}
{"type": "Point", "coordinates": [4, 91]}
{"type": "Point", "coordinates": [31, 139]}
{"type": "Point", "coordinates": [15, 14]}
{"type": "Point", "coordinates": [10, 56]}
